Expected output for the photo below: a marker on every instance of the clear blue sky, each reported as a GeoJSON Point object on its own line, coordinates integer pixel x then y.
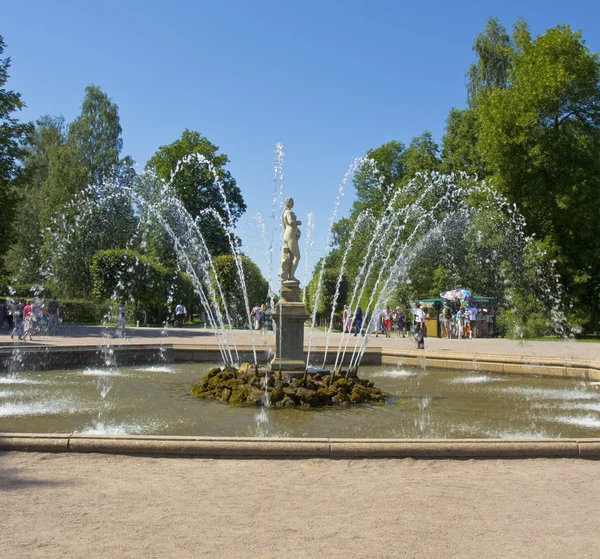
{"type": "Point", "coordinates": [328, 79]}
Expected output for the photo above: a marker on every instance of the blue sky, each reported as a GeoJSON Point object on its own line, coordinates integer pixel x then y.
{"type": "Point", "coordinates": [329, 80]}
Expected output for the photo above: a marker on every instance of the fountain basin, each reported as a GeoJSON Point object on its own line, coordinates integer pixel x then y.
{"type": "Point", "coordinates": [425, 404]}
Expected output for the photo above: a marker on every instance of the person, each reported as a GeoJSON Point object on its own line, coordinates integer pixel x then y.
{"type": "Point", "coordinates": [18, 320]}
{"type": "Point", "coordinates": [28, 319]}
{"type": "Point", "coordinates": [387, 321]}
{"type": "Point", "coordinates": [53, 316]}
{"type": "Point", "coordinates": [203, 318]}
{"type": "Point", "coordinates": [443, 318]}
{"type": "Point", "coordinates": [473, 311]}
{"type": "Point", "coordinates": [358, 320]}
{"type": "Point", "coordinates": [373, 325]}
{"type": "Point", "coordinates": [400, 319]}
{"type": "Point", "coordinates": [460, 322]}
{"type": "Point", "coordinates": [180, 312]}
{"type": "Point", "coordinates": [291, 234]}
{"type": "Point", "coordinates": [1, 315]}
{"type": "Point", "coordinates": [121, 322]}
{"type": "Point", "coordinates": [268, 317]}
{"type": "Point", "coordinates": [467, 324]}
{"type": "Point", "coordinates": [420, 331]}
{"type": "Point", "coordinates": [446, 325]}
{"type": "Point", "coordinates": [255, 314]}
{"type": "Point", "coordinates": [45, 319]}
{"type": "Point", "coordinates": [346, 320]}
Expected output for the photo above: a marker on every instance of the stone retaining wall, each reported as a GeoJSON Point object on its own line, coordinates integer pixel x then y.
{"type": "Point", "coordinates": [302, 448]}
{"type": "Point", "coordinates": [27, 358]}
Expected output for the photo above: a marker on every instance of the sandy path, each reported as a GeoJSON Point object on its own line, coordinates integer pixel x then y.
{"type": "Point", "coordinates": [77, 505]}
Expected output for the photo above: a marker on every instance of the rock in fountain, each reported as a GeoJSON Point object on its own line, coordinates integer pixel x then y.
{"type": "Point", "coordinates": [290, 313]}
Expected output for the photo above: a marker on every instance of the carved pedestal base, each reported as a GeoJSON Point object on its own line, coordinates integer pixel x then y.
{"type": "Point", "coordinates": [288, 322]}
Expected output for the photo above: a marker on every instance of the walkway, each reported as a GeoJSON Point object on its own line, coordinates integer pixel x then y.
{"type": "Point", "coordinates": [93, 335]}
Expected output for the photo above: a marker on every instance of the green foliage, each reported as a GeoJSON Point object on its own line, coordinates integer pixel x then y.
{"type": "Point", "coordinates": [82, 311]}
{"type": "Point", "coordinates": [13, 135]}
{"type": "Point", "coordinates": [421, 156]}
{"type": "Point", "coordinates": [541, 138]}
{"type": "Point", "coordinates": [494, 51]}
{"type": "Point", "coordinates": [523, 318]}
{"type": "Point", "coordinates": [327, 294]}
{"type": "Point", "coordinates": [127, 275]}
{"type": "Point", "coordinates": [256, 285]}
{"type": "Point", "coordinates": [96, 135]}
{"type": "Point", "coordinates": [194, 184]}
{"type": "Point", "coordinates": [460, 150]}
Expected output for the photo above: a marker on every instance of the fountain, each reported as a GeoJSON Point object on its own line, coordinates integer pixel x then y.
{"type": "Point", "coordinates": [406, 381]}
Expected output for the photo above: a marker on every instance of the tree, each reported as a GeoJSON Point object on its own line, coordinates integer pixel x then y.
{"type": "Point", "coordinates": [381, 171]}
{"type": "Point", "coordinates": [460, 150]}
{"type": "Point", "coordinates": [96, 135]}
{"type": "Point", "coordinates": [126, 275]}
{"type": "Point", "coordinates": [13, 136]}
{"type": "Point", "coordinates": [422, 155]}
{"type": "Point", "coordinates": [195, 185]}
{"type": "Point", "coordinates": [23, 260]}
{"type": "Point", "coordinates": [327, 293]}
{"type": "Point", "coordinates": [494, 52]}
{"type": "Point", "coordinates": [541, 138]}
{"type": "Point", "coordinates": [86, 204]}
{"type": "Point", "coordinates": [256, 284]}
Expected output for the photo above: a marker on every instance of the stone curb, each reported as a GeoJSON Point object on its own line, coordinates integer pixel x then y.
{"type": "Point", "coordinates": [302, 448]}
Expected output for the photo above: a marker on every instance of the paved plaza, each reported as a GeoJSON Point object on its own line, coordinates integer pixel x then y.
{"type": "Point", "coordinates": [78, 336]}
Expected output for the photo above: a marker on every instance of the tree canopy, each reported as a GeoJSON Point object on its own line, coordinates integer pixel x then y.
{"type": "Point", "coordinates": [13, 136]}
{"type": "Point", "coordinates": [197, 182]}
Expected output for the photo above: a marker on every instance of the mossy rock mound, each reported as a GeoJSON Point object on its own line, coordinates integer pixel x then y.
{"type": "Point", "coordinates": [246, 386]}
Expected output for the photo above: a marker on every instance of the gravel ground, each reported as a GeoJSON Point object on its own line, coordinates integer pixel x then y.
{"type": "Point", "coordinates": [92, 505]}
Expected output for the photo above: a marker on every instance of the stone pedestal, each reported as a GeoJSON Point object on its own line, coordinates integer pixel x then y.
{"type": "Point", "coordinates": [290, 315]}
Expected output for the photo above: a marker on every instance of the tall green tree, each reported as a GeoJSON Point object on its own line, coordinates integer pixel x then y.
{"type": "Point", "coordinates": [460, 149]}
{"type": "Point", "coordinates": [96, 135]}
{"type": "Point", "coordinates": [494, 51]}
{"type": "Point", "coordinates": [422, 155]}
{"type": "Point", "coordinates": [23, 261]}
{"type": "Point", "coordinates": [541, 138]}
{"type": "Point", "coordinates": [86, 207]}
{"type": "Point", "coordinates": [13, 136]}
{"type": "Point", "coordinates": [256, 284]}
{"type": "Point", "coordinates": [195, 185]}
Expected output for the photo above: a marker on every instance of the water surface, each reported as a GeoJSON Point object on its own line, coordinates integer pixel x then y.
{"type": "Point", "coordinates": [429, 403]}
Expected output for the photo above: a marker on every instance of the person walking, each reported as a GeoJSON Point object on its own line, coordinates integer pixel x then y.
{"type": "Point", "coordinates": [387, 321]}
{"type": "Point", "coordinates": [268, 317]}
{"type": "Point", "coordinates": [400, 319]}
{"type": "Point", "coordinates": [420, 330]}
{"type": "Point", "coordinates": [460, 323]}
{"type": "Point", "coordinates": [345, 320]}
{"type": "Point", "coordinates": [53, 316]}
{"type": "Point", "coordinates": [18, 320]}
{"type": "Point", "coordinates": [358, 320]}
{"type": "Point", "coordinates": [180, 312]}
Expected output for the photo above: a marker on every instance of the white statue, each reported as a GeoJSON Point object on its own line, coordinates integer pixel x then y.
{"type": "Point", "coordinates": [290, 253]}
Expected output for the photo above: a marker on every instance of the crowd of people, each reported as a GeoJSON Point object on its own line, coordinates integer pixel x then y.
{"type": "Point", "coordinates": [26, 318]}
{"type": "Point", "coordinates": [458, 320]}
